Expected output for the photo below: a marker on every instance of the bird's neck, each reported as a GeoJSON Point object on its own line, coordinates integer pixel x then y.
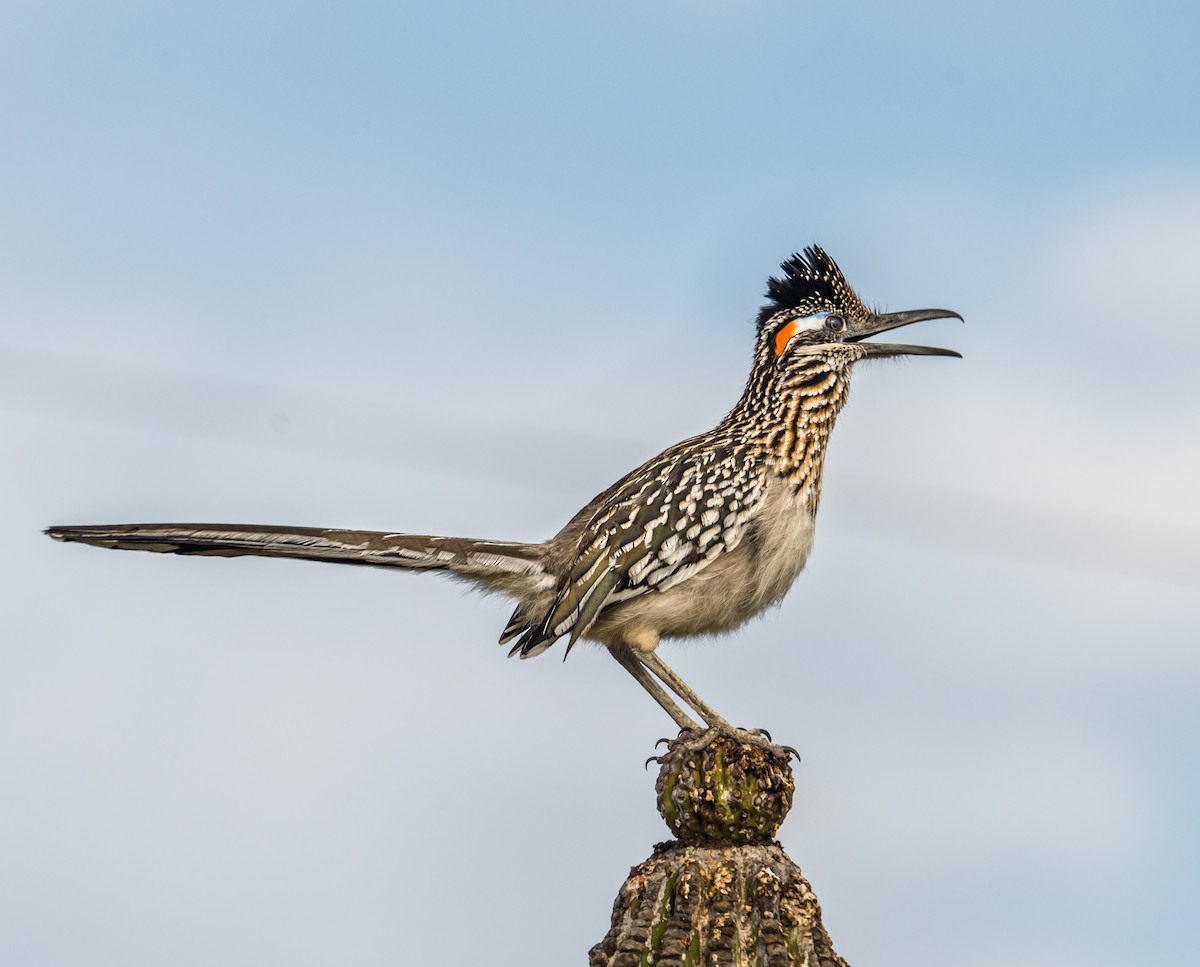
{"type": "Point", "coordinates": [791, 413]}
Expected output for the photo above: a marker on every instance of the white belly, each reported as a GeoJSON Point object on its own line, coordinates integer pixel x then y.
{"type": "Point", "coordinates": [731, 590]}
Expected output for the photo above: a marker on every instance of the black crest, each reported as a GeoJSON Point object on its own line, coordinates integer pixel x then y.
{"type": "Point", "coordinates": [812, 278]}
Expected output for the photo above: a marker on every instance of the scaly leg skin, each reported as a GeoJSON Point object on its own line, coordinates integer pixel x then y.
{"type": "Point", "coordinates": [635, 668]}
{"type": "Point", "coordinates": [683, 690]}
{"type": "Point", "coordinates": [715, 722]}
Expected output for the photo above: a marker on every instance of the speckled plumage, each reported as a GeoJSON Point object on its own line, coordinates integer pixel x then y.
{"type": "Point", "coordinates": [696, 541]}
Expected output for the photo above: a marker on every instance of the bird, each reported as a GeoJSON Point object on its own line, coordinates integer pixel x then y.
{"type": "Point", "coordinates": [693, 543]}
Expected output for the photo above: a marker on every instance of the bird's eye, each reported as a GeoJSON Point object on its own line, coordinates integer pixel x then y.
{"type": "Point", "coordinates": [834, 322]}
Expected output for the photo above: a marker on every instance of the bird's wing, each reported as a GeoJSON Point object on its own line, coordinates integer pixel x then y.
{"type": "Point", "coordinates": [661, 525]}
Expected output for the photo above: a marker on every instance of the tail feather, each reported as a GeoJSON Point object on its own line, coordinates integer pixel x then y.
{"type": "Point", "coordinates": [502, 565]}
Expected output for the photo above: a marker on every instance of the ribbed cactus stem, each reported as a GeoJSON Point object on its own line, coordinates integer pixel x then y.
{"type": "Point", "coordinates": [723, 893]}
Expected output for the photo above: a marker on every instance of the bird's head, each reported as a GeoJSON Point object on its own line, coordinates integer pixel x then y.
{"type": "Point", "coordinates": [812, 311]}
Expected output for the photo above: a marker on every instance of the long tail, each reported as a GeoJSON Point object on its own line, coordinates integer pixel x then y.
{"type": "Point", "coordinates": [499, 565]}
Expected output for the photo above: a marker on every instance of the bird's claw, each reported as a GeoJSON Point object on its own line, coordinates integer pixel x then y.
{"type": "Point", "coordinates": [763, 733]}
{"type": "Point", "coordinates": [738, 732]}
{"type": "Point", "coordinates": [653, 758]}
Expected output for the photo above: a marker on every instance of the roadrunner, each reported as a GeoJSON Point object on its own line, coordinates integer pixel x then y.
{"type": "Point", "coordinates": [696, 541]}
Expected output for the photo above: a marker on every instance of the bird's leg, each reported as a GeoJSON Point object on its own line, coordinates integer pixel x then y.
{"type": "Point", "coordinates": [676, 684]}
{"type": "Point", "coordinates": [635, 668]}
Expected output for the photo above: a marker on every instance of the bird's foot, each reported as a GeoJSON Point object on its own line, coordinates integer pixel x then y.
{"type": "Point", "coordinates": [760, 736]}
{"type": "Point", "coordinates": [695, 739]}
{"type": "Point", "coordinates": [754, 736]}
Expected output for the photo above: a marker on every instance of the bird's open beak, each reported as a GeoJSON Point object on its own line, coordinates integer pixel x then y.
{"type": "Point", "coordinates": [877, 323]}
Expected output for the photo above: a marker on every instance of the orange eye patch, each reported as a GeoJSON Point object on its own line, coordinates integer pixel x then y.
{"type": "Point", "coordinates": [784, 336]}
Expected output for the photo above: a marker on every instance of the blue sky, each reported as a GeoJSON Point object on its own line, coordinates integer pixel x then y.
{"type": "Point", "coordinates": [456, 267]}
